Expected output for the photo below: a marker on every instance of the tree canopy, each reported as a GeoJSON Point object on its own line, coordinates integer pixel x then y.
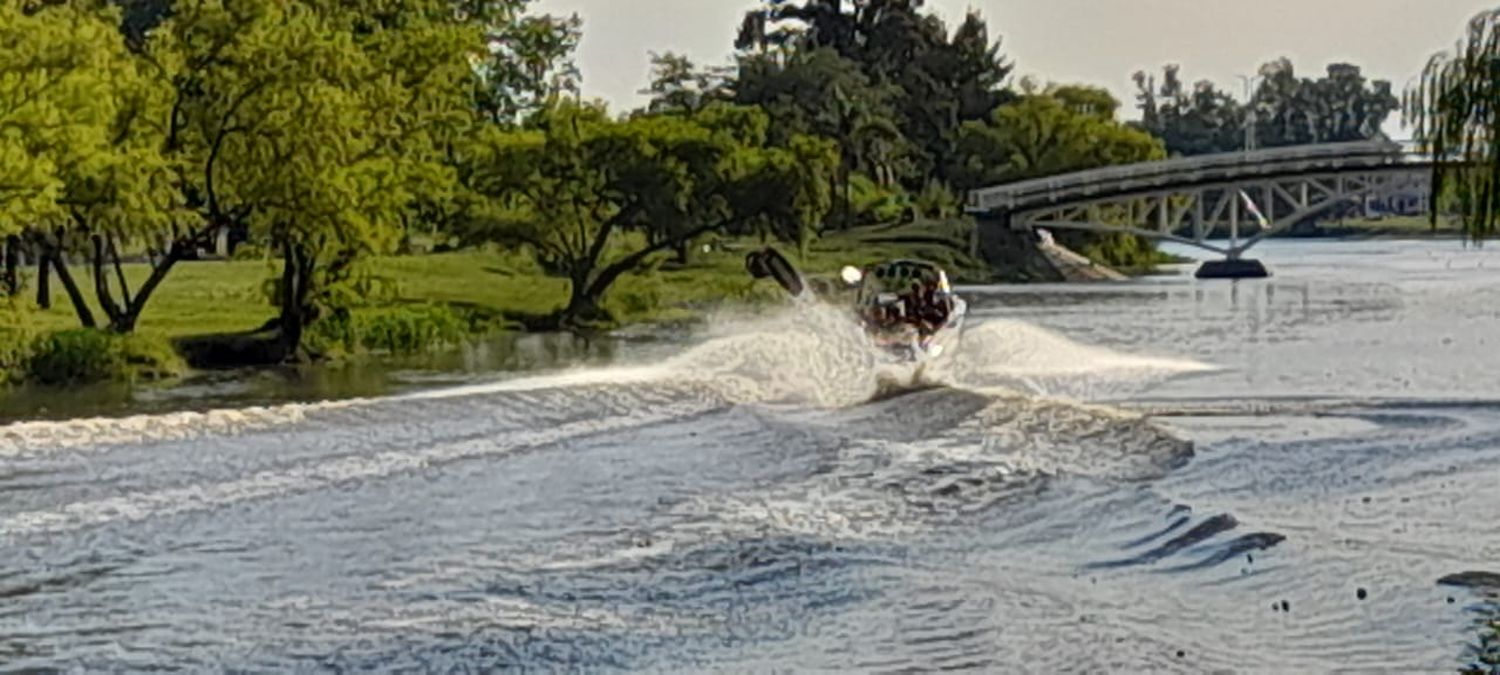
{"type": "Point", "coordinates": [1455, 117]}
{"type": "Point", "coordinates": [1283, 110]}
{"type": "Point", "coordinates": [902, 65]}
{"type": "Point", "coordinates": [1051, 130]}
{"type": "Point", "coordinates": [593, 198]}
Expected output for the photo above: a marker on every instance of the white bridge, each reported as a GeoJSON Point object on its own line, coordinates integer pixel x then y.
{"type": "Point", "coordinates": [1187, 200]}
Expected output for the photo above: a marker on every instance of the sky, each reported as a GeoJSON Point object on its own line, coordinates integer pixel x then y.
{"type": "Point", "coordinates": [1098, 42]}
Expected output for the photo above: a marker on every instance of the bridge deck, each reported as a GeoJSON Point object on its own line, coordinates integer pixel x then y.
{"type": "Point", "coordinates": [1188, 171]}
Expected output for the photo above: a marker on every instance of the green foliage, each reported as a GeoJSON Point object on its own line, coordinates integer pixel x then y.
{"type": "Point", "coordinates": [17, 335]}
{"type": "Point", "coordinates": [1047, 132]}
{"type": "Point", "coordinates": [249, 252]}
{"type": "Point", "coordinates": [81, 356]}
{"type": "Point", "coordinates": [938, 201]}
{"type": "Point", "coordinates": [55, 104]}
{"type": "Point", "coordinates": [872, 203]}
{"type": "Point", "coordinates": [1202, 121]}
{"type": "Point", "coordinates": [679, 86]}
{"type": "Point", "coordinates": [1456, 121]}
{"type": "Point", "coordinates": [530, 61]}
{"type": "Point", "coordinates": [939, 80]}
{"type": "Point", "coordinates": [1115, 249]}
{"type": "Point", "coordinates": [636, 300]}
{"type": "Point", "coordinates": [594, 198]}
{"type": "Point", "coordinates": [1342, 106]}
{"type": "Point", "coordinates": [1284, 110]}
{"type": "Point", "coordinates": [410, 329]}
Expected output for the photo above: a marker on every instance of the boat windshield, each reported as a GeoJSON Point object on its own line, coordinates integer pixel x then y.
{"type": "Point", "coordinates": [887, 282]}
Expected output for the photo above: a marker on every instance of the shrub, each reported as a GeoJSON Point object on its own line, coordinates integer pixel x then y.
{"type": "Point", "coordinates": [409, 330]}
{"type": "Point", "coordinates": [248, 251]}
{"type": "Point", "coordinates": [84, 355]}
{"type": "Point", "coordinates": [635, 300]}
{"type": "Point", "coordinates": [872, 203]}
{"type": "Point", "coordinates": [16, 338]}
{"type": "Point", "coordinates": [937, 201]}
{"type": "Point", "coordinates": [397, 330]}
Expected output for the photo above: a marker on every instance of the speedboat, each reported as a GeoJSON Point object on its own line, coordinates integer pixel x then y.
{"type": "Point", "coordinates": [906, 307]}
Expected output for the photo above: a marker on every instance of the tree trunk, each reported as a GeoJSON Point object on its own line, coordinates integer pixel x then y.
{"type": "Point", "coordinates": [848, 198]}
{"type": "Point", "coordinates": [101, 284]}
{"type": "Point", "coordinates": [296, 286]}
{"type": "Point", "coordinates": [135, 305]}
{"type": "Point", "coordinates": [583, 302]}
{"type": "Point", "coordinates": [10, 280]}
{"type": "Point", "coordinates": [43, 282]}
{"type": "Point", "coordinates": [80, 305]}
{"type": "Point", "coordinates": [114, 254]}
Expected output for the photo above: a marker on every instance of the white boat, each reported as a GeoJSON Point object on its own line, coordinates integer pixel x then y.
{"type": "Point", "coordinates": [906, 307]}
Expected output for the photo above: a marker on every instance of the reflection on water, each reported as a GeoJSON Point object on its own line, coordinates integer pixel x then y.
{"type": "Point", "coordinates": [493, 356]}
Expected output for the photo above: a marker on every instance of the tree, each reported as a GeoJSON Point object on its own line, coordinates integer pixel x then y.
{"type": "Point", "coordinates": [593, 198]}
{"type": "Point", "coordinates": [57, 111]}
{"type": "Point", "coordinates": [940, 80]}
{"type": "Point", "coordinates": [119, 193]}
{"type": "Point", "coordinates": [820, 93]}
{"type": "Point", "coordinates": [1342, 106]}
{"type": "Point", "coordinates": [1203, 121]}
{"type": "Point", "coordinates": [677, 85]}
{"type": "Point", "coordinates": [1284, 110]}
{"type": "Point", "coordinates": [530, 61]}
{"type": "Point", "coordinates": [1049, 131]}
{"type": "Point", "coordinates": [313, 125]}
{"type": "Point", "coordinates": [1455, 117]}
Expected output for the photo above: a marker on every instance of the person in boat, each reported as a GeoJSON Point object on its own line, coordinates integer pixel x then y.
{"type": "Point", "coordinates": [936, 309]}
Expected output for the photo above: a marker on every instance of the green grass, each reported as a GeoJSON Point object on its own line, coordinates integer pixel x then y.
{"type": "Point", "coordinates": [213, 297]}
{"type": "Point", "coordinates": [1392, 226]}
{"type": "Point", "coordinates": [206, 297]}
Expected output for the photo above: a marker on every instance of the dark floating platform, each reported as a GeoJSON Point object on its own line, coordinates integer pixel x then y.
{"type": "Point", "coordinates": [1233, 269]}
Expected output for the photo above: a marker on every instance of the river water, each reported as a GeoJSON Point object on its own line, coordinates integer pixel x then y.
{"type": "Point", "coordinates": [1160, 475]}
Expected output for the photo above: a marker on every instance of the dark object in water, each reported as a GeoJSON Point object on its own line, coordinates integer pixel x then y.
{"type": "Point", "coordinates": [1242, 268]}
{"type": "Point", "coordinates": [769, 262]}
{"type": "Point", "coordinates": [1478, 580]}
{"type": "Point", "coordinates": [1198, 534]}
{"type": "Point", "coordinates": [1361, 594]}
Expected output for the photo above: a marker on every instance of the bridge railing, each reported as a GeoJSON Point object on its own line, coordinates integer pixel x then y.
{"type": "Point", "coordinates": [1008, 195]}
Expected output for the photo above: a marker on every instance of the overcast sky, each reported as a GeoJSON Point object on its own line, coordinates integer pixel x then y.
{"type": "Point", "coordinates": [1097, 42]}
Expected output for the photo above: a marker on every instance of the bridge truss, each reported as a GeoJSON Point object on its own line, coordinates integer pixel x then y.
{"type": "Point", "coordinates": [1191, 215]}
{"type": "Point", "coordinates": [1255, 194]}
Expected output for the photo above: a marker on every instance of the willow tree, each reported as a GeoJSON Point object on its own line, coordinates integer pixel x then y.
{"type": "Point", "coordinates": [1454, 111]}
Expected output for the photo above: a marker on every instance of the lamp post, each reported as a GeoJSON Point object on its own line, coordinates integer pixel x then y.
{"type": "Point", "coordinates": [1250, 112]}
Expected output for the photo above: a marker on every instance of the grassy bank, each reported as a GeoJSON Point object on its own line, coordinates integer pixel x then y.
{"type": "Point", "coordinates": [432, 300]}
{"type": "Point", "coordinates": [1393, 226]}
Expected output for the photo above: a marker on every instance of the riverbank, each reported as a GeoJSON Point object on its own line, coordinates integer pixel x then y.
{"type": "Point", "coordinates": [437, 301]}
{"type": "Point", "coordinates": [1411, 227]}
{"type": "Point", "coordinates": [434, 301]}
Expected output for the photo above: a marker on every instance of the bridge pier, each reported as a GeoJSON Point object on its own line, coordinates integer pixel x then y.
{"type": "Point", "coordinates": [1232, 268]}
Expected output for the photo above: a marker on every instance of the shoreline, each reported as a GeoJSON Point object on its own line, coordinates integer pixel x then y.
{"type": "Point", "coordinates": [673, 312]}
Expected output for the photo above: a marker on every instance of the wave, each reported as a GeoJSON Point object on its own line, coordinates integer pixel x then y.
{"type": "Point", "coordinates": [943, 439]}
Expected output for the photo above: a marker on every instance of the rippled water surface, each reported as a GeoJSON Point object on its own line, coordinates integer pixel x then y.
{"type": "Point", "coordinates": [1289, 475]}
